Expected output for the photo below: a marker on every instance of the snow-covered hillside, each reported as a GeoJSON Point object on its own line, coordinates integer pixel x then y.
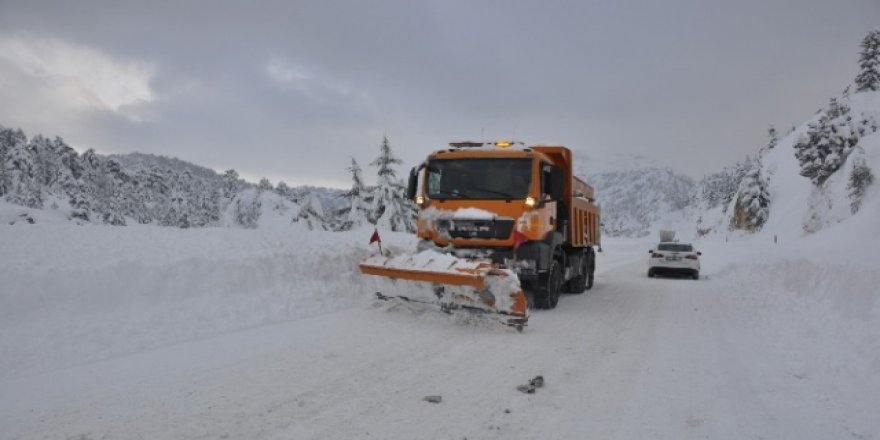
{"type": "Point", "coordinates": [765, 194]}
{"type": "Point", "coordinates": [637, 202]}
{"type": "Point", "coordinates": [799, 205]}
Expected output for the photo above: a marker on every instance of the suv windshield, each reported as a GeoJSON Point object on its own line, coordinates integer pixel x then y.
{"type": "Point", "coordinates": [504, 179]}
{"type": "Point", "coordinates": [675, 247]}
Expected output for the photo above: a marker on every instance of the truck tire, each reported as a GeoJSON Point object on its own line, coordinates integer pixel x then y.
{"type": "Point", "coordinates": [583, 282]}
{"type": "Point", "coordinates": [578, 284]}
{"type": "Point", "coordinates": [591, 273]}
{"type": "Point", "coordinates": [546, 290]}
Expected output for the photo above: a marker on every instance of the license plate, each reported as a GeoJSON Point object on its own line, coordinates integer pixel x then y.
{"type": "Point", "coordinates": [673, 258]}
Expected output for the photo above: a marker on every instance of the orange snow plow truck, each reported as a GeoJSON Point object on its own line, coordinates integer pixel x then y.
{"type": "Point", "coordinates": [503, 227]}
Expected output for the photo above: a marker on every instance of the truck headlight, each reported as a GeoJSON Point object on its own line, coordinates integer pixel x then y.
{"type": "Point", "coordinates": [529, 222]}
{"type": "Point", "coordinates": [531, 202]}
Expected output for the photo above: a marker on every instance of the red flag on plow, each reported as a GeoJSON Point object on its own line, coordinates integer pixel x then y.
{"type": "Point", "coordinates": [375, 237]}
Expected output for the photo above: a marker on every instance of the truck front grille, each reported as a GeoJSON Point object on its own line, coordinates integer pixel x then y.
{"type": "Point", "coordinates": [485, 229]}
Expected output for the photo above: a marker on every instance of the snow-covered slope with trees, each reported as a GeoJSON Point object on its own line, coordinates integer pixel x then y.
{"type": "Point", "coordinates": [818, 175]}
{"type": "Point", "coordinates": [145, 189]}
{"type": "Point", "coordinates": [810, 182]}
{"type": "Point", "coordinates": [635, 202]}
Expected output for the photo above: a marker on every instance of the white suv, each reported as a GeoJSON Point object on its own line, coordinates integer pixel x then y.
{"type": "Point", "coordinates": [674, 258]}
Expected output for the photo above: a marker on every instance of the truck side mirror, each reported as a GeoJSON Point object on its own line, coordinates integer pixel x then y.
{"type": "Point", "coordinates": [413, 183]}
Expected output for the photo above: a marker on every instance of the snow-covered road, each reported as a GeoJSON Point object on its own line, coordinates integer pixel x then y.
{"type": "Point", "coordinates": [746, 352]}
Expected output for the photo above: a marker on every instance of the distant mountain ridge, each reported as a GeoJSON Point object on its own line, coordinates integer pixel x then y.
{"type": "Point", "coordinates": [134, 161]}
{"type": "Point", "coordinates": [43, 173]}
{"type": "Point", "coordinates": [821, 173]}
{"type": "Point", "coordinates": [47, 174]}
{"type": "Point", "coordinates": [634, 201]}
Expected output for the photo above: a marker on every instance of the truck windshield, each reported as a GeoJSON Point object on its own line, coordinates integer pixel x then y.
{"type": "Point", "coordinates": [504, 179]}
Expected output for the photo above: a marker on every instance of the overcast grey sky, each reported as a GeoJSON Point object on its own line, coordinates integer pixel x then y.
{"type": "Point", "coordinates": [290, 90]}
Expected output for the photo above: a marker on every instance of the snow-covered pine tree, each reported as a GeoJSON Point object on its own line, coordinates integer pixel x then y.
{"type": "Point", "coordinates": [860, 179]}
{"type": "Point", "coordinates": [720, 188]}
{"type": "Point", "coordinates": [868, 78]}
{"type": "Point", "coordinates": [24, 187]}
{"type": "Point", "coordinates": [232, 184]}
{"type": "Point", "coordinates": [247, 208]}
{"type": "Point", "coordinates": [175, 214]}
{"type": "Point", "coordinates": [753, 202]}
{"type": "Point", "coordinates": [6, 136]}
{"type": "Point", "coordinates": [80, 202]}
{"type": "Point", "coordinates": [111, 195]}
{"type": "Point", "coordinates": [285, 191]}
{"type": "Point", "coordinates": [828, 142]}
{"type": "Point", "coordinates": [44, 159]}
{"type": "Point", "coordinates": [264, 185]}
{"type": "Point", "coordinates": [390, 208]}
{"type": "Point", "coordinates": [67, 168]}
{"type": "Point", "coordinates": [357, 209]}
{"type": "Point", "coordinates": [207, 204]}
{"type": "Point", "coordinates": [179, 209]}
{"type": "Point", "coordinates": [154, 194]}
{"type": "Point", "coordinates": [806, 149]}
{"type": "Point", "coordinates": [102, 181]}
{"type": "Point", "coordinates": [311, 213]}
{"type": "Point", "coordinates": [774, 138]}
{"type": "Point", "coordinates": [90, 164]}
{"type": "Point", "coordinates": [202, 209]}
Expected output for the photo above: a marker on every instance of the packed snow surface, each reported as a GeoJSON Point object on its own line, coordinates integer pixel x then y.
{"type": "Point", "coordinates": [148, 332]}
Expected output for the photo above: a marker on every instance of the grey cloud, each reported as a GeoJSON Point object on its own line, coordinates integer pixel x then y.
{"type": "Point", "coordinates": [691, 84]}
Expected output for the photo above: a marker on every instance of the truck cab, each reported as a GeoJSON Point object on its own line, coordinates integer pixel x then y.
{"type": "Point", "coordinates": [519, 205]}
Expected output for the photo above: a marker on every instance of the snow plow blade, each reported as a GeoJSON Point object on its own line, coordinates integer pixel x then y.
{"type": "Point", "coordinates": [476, 286]}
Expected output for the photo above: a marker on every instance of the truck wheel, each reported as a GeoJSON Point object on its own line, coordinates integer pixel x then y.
{"type": "Point", "coordinates": [579, 283]}
{"type": "Point", "coordinates": [590, 275]}
{"type": "Point", "coordinates": [591, 268]}
{"type": "Point", "coordinates": [546, 294]}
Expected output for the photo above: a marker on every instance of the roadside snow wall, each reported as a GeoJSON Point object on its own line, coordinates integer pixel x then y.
{"type": "Point", "coordinates": [73, 294]}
